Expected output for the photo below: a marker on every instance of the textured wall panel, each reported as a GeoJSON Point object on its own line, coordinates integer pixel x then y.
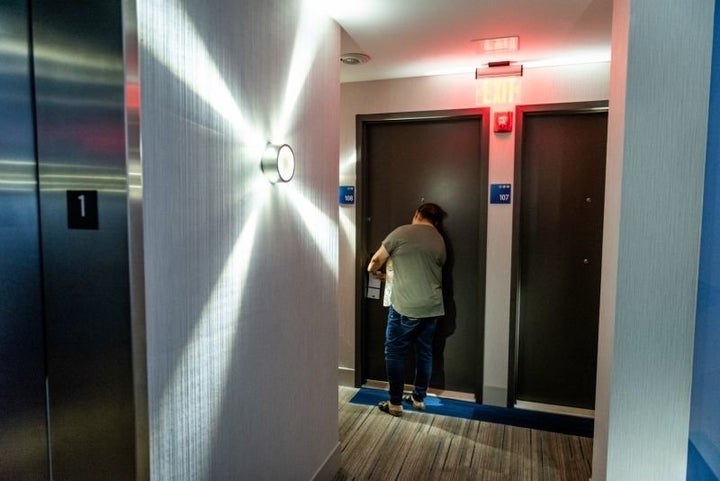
{"type": "Point", "coordinates": [705, 416]}
{"type": "Point", "coordinates": [240, 274]}
{"type": "Point", "coordinates": [648, 310]}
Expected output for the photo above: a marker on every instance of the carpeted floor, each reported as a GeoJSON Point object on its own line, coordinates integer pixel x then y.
{"type": "Point", "coordinates": [421, 446]}
{"type": "Point", "coordinates": [558, 423]}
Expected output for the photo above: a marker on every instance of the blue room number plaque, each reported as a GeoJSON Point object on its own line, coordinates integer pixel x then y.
{"type": "Point", "coordinates": [346, 194]}
{"type": "Point", "coordinates": [500, 193]}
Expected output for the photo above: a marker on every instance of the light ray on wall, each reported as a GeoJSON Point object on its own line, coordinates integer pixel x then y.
{"type": "Point", "coordinates": [348, 164]}
{"type": "Point", "coordinates": [206, 356]}
{"type": "Point", "coordinates": [307, 41]}
{"type": "Point", "coordinates": [320, 227]}
{"type": "Point", "coordinates": [347, 227]}
{"type": "Point", "coordinates": [187, 417]}
{"type": "Point", "coordinates": [196, 69]}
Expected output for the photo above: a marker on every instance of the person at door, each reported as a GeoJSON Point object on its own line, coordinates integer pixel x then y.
{"type": "Point", "coordinates": [417, 251]}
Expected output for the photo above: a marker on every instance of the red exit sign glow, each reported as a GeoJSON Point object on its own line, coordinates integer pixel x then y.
{"type": "Point", "coordinates": [498, 91]}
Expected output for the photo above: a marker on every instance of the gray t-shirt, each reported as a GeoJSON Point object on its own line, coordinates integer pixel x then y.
{"type": "Point", "coordinates": [418, 254]}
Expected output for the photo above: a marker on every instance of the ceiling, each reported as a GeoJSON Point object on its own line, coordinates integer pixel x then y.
{"type": "Point", "coordinates": [411, 38]}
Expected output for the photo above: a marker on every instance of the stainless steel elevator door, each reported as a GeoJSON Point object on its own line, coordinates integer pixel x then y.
{"type": "Point", "coordinates": [23, 428]}
{"type": "Point", "coordinates": [67, 406]}
{"type": "Point", "coordinates": [80, 126]}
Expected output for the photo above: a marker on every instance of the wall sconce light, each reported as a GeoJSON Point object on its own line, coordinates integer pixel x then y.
{"type": "Point", "coordinates": [278, 163]}
{"type": "Point", "coordinates": [499, 69]}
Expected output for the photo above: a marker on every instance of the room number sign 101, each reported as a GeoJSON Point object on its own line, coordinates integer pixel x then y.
{"type": "Point", "coordinates": [82, 209]}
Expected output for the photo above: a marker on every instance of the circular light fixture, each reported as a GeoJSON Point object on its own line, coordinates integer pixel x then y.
{"type": "Point", "coordinates": [354, 58]}
{"type": "Point", "coordinates": [278, 163]}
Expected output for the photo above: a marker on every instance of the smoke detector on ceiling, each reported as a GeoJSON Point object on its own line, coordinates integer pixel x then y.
{"type": "Point", "coordinates": [354, 58]}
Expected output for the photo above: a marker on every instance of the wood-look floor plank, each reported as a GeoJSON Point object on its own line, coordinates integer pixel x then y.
{"type": "Point", "coordinates": [420, 446]}
{"type": "Point", "coordinates": [397, 449]}
{"type": "Point", "coordinates": [490, 452]}
{"type": "Point", "coordinates": [453, 446]}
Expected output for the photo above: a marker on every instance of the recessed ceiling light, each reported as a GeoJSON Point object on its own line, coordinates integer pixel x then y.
{"type": "Point", "coordinates": [354, 58]}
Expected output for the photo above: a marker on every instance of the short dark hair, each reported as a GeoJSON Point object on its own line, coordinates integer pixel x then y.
{"type": "Point", "coordinates": [432, 212]}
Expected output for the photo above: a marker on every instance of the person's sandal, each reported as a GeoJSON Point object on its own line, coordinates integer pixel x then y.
{"type": "Point", "coordinates": [419, 405]}
{"type": "Point", "coordinates": [391, 409]}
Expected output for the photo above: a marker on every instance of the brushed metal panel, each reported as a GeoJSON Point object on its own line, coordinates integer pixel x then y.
{"type": "Point", "coordinates": [135, 236]}
{"type": "Point", "coordinates": [656, 157]}
{"type": "Point", "coordinates": [78, 55]}
{"type": "Point", "coordinates": [23, 430]}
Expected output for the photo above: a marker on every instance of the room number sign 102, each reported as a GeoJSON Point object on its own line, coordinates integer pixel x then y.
{"type": "Point", "coordinates": [82, 209]}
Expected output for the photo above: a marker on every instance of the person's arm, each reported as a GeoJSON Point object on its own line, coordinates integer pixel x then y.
{"type": "Point", "coordinates": [378, 259]}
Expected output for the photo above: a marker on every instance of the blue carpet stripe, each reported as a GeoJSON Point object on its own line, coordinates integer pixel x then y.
{"type": "Point", "coordinates": [558, 423]}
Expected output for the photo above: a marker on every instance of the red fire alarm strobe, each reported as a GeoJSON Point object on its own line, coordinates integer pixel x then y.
{"type": "Point", "coordinates": [503, 121]}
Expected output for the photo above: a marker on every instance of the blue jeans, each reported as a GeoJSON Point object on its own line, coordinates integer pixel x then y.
{"type": "Point", "coordinates": [402, 331]}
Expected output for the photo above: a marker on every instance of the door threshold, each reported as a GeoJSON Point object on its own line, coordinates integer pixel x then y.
{"type": "Point", "coordinates": [457, 395]}
{"type": "Point", "coordinates": [555, 409]}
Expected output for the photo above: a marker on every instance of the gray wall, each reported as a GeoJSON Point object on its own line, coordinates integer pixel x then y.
{"type": "Point", "coordinates": [656, 156]}
{"type": "Point", "coordinates": [541, 85]}
{"type": "Point", "coordinates": [240, 274]}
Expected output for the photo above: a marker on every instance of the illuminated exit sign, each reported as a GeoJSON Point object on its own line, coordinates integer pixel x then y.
{"type": "Point", "coordinates": [498, 91]}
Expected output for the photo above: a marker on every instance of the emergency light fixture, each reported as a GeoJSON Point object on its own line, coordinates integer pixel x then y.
{"type": "Point", "coordinates": [499, 69]}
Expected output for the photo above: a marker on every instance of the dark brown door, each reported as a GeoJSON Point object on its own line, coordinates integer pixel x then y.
{"type": "Point", "coordinates": [560, 176]}
{"type": "Point", "coordinates": [405, 162]}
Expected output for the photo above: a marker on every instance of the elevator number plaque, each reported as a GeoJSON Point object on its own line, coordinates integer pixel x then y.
{"type": "Point", "coordinates": [82, 209]}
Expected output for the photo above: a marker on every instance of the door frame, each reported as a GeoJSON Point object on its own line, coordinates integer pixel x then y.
{"type": "Point", "coordinates": [362, 121]}
{"type": "Point", "coordinates": [570, 108]}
